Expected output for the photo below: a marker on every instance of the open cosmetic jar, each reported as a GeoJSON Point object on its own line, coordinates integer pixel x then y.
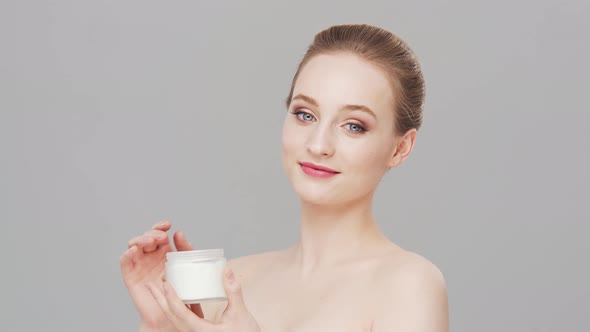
{"type": "Point", "coordinates": [196, 275]}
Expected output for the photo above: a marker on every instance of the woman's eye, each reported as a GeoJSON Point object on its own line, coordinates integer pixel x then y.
{"type": "Point", "coordinates": [304, 116]}
{"type": "Point", "coordinates": [355, 128]}
{"type": "Point", "coordinates": [307, 117]}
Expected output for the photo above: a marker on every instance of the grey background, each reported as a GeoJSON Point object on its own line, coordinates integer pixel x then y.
{"type": "Point", "coordinates": [117, 114]}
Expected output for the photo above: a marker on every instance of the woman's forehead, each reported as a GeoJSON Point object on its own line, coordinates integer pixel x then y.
{"type": "Point", "coordinates": [344, 79]}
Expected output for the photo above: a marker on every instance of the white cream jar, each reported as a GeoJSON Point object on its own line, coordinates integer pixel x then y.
{"type": "Point", "coordinates": [197, 275]}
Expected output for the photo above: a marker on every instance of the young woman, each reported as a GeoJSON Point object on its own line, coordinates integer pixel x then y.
{"type": "Point", "coordinates": [353, 112]}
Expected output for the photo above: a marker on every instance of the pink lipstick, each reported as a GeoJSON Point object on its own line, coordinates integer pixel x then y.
{"type": "Point", "coordinates": [317, 170]}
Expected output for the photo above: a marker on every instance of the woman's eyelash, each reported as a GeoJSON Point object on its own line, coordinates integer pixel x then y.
{"type": "Point", "coordinates": [299, 114]}
{"type": "Point", "coordinates": [360, 130]}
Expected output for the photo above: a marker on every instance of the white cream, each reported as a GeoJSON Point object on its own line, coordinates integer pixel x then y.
{"type": "Point", "coordinates": [197, 275]}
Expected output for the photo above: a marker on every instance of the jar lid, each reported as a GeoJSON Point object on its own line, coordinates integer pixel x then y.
{"type": "Point", "coordinates": [194, 255]}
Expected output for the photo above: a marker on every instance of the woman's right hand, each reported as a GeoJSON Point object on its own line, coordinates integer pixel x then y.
{"type": "Point", "coordinates": [144, 263]}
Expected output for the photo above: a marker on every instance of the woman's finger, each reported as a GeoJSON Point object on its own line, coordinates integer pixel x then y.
{"type": "Point", "coordinates": [181, 243]}
{"type": "Point", "coordinates": [163, 303]}
{"type": "Point", "coordinates": [162, 226]}
{"type": "Point", "coordinates": [126, 259]}
{"type": "Point", "coordinates": [142, 241]}
{"type": "Point", "coordinates": [233, 290]}
{"type": "Point", "coordinates": [160, 236]}
{"type": "Point", "coordinates": [150, 247]}
{"type": "Point", "coordinates": [133, 241]}
{"type": "Point", "coordinates": [176, 311]}
{"type": "Point", "coordinates": [160, 239]}
{"type": "Point", "coordinates": [182, 313]}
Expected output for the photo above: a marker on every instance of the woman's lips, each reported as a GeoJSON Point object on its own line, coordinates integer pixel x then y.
{"type": "Point", "coordinates": [317, 170]}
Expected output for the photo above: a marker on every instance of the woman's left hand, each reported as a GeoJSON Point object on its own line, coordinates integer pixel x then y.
{"type": "Point", "coordinates": [235, 317]}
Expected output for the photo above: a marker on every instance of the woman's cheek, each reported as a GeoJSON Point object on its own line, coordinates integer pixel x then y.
{"type": "Point", "coordinates": [369, 160]}
{"type": "Point", "coordinates": [293, 136]}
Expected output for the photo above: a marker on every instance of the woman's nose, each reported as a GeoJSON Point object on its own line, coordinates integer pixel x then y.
{"type": "Point", "coordinates": [320, 142]}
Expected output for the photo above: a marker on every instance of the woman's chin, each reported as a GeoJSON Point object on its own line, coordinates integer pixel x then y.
{"type": "Point", "coordinates": [331, 195]}
{"type": "Point", "coordinates": [318, 197]}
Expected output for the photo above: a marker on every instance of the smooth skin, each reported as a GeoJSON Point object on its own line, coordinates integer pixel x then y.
{"type": "Point", "coordinates": [343, 274]}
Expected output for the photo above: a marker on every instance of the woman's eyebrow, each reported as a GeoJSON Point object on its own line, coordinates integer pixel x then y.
{"type": "Point", "coordinates": [307, 99]}
{"type": "Point", "coordinates": [358, 108]}
{"type": "Point", "coordinates": [314, 102]}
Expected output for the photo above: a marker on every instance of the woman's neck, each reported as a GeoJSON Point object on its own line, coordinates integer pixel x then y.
{"type": "Point", "coordinates": [334, 234]}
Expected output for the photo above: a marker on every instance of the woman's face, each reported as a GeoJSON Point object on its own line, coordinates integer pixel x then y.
{"type": "Point", "coordinates": [341, 118]}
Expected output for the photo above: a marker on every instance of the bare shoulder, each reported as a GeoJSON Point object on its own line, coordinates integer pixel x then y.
{"type": "Point", "coordinates": [405, 269]}
{"type": "Point", "coordinates": [413, 289]}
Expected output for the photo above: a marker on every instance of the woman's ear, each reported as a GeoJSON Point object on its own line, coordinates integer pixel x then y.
{"type": "Point", "coordinates": [403, 148]}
